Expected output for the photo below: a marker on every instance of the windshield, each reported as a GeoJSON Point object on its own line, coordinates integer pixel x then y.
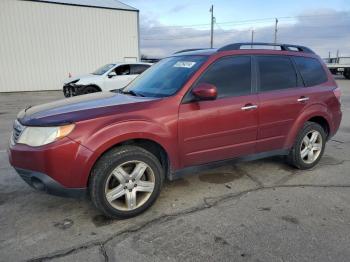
{"type": "Point", "coordinates": [166, 77]}
{"type": "Point", "coordinates": [103, 69]}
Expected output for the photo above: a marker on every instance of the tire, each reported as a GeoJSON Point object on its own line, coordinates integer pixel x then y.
{"type": "Point", "coordinates": [122, 161]}
{"type": "Point", "coordinates": [347, 74]}
{"type": "Point", "coordinates": [333, 71]}
{"type": "Point", "coordinates": [90, 89]}
{"type": "Point", "coordinates": [302, 146]}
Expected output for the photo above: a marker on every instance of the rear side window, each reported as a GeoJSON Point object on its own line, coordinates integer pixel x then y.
{"type": "Point", "coordinates": [311, 71]}
{"type": "Point", "coordinates": [138, 69]}
{"type": "Point", "coordinates": [230, 75]}
{"type": "Point", "coordinates": [276, 72]}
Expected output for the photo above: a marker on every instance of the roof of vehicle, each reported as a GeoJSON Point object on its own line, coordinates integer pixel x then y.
{"type": "Point", "coordinates": [247, 46]}
{"type": "Point", "coordinates": [204, 51]}
{"type": "Point", "coordinates": [132, 63]}
{"type": "Point", "coordinates": [107, 4]}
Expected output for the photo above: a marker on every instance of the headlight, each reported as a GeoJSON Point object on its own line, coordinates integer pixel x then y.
{"type": "Point", "coordinates": [74, 82]}
{"type": "Point", "coordinates": [39, 136]}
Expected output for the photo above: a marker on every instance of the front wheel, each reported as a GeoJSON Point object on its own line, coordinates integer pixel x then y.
{"type": "Point", "coordinates": [308, 147]}
{"type": "Point", "coordinates": [126, 181]}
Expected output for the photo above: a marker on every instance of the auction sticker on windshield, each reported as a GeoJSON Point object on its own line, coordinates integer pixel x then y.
{"type": "Point", "coordinates": [185, 64]}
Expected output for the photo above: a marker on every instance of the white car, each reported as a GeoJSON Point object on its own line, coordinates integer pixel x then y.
{"type": "Point", "coordinates": [108, 77]}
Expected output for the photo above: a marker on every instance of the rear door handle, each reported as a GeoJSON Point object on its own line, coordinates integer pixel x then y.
{"type": "Point", "coordinates": [249, 107]}
{"type": "Point", "coordinates": [303, 99]}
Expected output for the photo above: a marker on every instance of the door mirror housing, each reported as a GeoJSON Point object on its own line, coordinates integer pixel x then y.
{"type": "Point", "coordinates": [205, 91]}
{"type": "Point", "coordinates": [112, 74]}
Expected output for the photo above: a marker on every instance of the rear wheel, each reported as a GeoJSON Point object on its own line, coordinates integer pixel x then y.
{"type": "Point", "coordinates": [90, 89]}
{"type": "Point", "coordinates": [308, 147]}
{"type": "Point", "coordinates": [126, 181]}
{"type": "Point", "coordinates": [347, 73]}
{"type": "Point", "coordinates": [333, 71]}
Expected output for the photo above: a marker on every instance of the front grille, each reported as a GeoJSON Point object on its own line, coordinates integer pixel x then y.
{"type": "Point", "coordinates": [17, 131]}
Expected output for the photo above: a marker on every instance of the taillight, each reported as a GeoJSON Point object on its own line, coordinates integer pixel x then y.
{"type": "Point", "coordinates": [337, 93]}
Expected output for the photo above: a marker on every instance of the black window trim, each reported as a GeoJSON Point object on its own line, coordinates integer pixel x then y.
{"type": "Point", "coordinates": [188, 99]}
{"type": "Point", "coordinates": [300, 81]}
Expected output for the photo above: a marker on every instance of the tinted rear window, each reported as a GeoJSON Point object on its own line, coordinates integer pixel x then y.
{"type": "Point", "coordinates": [276, 72]}
{"type": "Point", "coordinates": [311, 71]}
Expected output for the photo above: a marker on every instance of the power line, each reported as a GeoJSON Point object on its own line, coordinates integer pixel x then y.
{"type": "Point", "coordinates": [227, 32]}
{"type": "Point", "coordinates": [259, 20]}
{"type": "Point", "coordinates": [282, 18]}
{"type": "Point", "coordinates": [218, 26]}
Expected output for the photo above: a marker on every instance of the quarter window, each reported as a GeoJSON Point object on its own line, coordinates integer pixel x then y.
{"type": "Point", "coordinates": [311, 71]}
{"type": "Point", "coordinates": [230, 75]}
{"type": "Point", "coordinates": [276, 72]}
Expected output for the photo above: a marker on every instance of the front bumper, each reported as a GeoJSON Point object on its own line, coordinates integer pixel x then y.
{"type": "Point", "coordinates": [72, 90]}
{"type": "Point", "coordinates": [43, 182]}
{"type": "Point", "coordinates": [61, 166]}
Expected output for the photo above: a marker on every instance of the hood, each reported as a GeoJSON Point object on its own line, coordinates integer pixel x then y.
{"type": "Point", "coordinates": [86, 77]}
{"type": "Point", "coordinates": [77, 108]}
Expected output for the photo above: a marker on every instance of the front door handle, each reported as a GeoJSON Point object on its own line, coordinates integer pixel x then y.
{"type": "Point", "coordinates": [249, 107]}
{"type": "Point", "coordinates": [303, 99]}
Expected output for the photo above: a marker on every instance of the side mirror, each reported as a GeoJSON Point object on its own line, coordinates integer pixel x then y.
{"type": "Point", "coordinates": [205, 91]}
{"type": "Point", "coordinates": [112, 74]}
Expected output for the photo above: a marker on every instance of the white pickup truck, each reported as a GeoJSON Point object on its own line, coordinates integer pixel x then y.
{"type": "Point", "coordinates": [339, 65]}
{"type": "Point", "coordinates": [109, 77]}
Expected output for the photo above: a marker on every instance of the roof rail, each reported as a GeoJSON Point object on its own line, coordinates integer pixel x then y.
{"type": "Point", "coordinates": [284, 47]}
{"type": "Point", "coordinates": [191, 49]}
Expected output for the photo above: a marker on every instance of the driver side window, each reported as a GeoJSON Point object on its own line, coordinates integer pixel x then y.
{"type": "Point", "coordinates": [230, 75]}
{"type": "Point", "coordinates": [122, 70]}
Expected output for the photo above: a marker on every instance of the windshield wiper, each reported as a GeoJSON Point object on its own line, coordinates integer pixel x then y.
{"type": "Point", "coordinates": [130, 92]}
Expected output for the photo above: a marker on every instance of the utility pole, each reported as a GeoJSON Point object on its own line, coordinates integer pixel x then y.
{"type": "Point", "coordinates": [275, 40]}
{"type": "Point", "coordinates": [212, 26]}
{"type": "Point", "coordinates": [337, 56]}
{"type": "Point", "coordinates": [252, 42]}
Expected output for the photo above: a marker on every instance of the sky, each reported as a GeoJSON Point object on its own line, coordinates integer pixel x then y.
{"type": "Point", "coordinates": [168, 26]}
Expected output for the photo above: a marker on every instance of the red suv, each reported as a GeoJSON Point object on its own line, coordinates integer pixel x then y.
{"type": "Point", "coordinates": [189, 111]}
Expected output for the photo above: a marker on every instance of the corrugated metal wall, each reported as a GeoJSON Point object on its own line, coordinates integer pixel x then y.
{"type": "Point", "coordinates": [41, 42]}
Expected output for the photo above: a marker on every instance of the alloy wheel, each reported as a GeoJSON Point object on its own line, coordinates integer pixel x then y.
{"type": "Point", "coordinates": [130, 185]}
{"type": "Point", "coordinates": [311, 147]}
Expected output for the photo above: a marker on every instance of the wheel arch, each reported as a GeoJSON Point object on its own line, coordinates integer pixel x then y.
{"type": "Point", "coordinates": [317, 114]}
{"type": "Point", "coordinates": [94, 85]}
{"type": "Point", "coordinates": [322, 121]}
{"type": "Point", "coordinates": [148, 144]}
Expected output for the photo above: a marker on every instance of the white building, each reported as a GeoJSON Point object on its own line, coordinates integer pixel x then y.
{"type": "Point", "coordinates": [43, 41]}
